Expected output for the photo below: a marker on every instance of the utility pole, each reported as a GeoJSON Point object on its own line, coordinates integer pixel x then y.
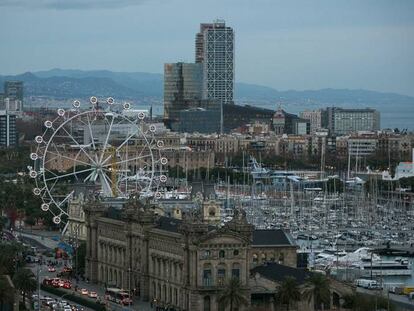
{"type": "Point", "coordinates": [38, 285]}
{"type": "Point", "coordinates": [129, 287]}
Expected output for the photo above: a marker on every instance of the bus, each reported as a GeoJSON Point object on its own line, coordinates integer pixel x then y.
{"type": "Point", "coordinates": [118, 296]}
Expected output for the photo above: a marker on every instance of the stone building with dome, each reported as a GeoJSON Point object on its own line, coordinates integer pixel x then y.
{"type": "Point", "coordinates": [183, 263]}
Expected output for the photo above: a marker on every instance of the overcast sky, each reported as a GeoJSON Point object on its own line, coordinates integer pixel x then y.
{"type": "Point", "coordinates": [290, 44]}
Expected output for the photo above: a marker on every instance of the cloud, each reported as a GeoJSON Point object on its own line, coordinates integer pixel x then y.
{"type": "Point", "coordinates": [70, 4]}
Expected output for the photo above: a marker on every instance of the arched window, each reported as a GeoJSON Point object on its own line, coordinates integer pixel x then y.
{"type": "Point", "coordinates": [212, 212]}
{"type": "Point", "coordinates": [255, 258]}
{"type": "Point", "coordinates": [207, 303]}
{"type": "Point", "coordinates": [222, 254]}
{"type": "Point", "coordinates": [236, 252]}
{"type": "Point", "coordinates": [263, 257]}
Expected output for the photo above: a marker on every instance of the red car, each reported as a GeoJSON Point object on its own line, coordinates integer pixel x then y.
{"type": "Point", "coordinates": [67, 285]}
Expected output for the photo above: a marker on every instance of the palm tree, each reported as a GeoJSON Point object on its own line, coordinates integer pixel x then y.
{"type": "Point", "coordinates": [288, 291]}
{"type": "Point", "coordinates": [232, 294]}
{"type": "Point", "coordinates": [6, 292]}
{"type": "Point", "coordinates": [24, 280]}
{"type": "Point", "coordinates": [317, 286]}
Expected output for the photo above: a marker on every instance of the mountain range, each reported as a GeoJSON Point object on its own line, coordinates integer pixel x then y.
{"type": "Point", "coordinates": [67, 84]}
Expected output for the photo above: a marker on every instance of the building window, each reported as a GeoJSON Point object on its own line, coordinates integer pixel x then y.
{"type": "Point", "coordinates": [235, 271]}
{"type": "Point", "coordinates": [255, 258]}
{"type": "Point", "coordinates": [221, 275]}
{"type": "Point", "coordinates": [206, 254]}
{"type": "Point", "coordinates": [236, 252]}
{"type": "Point", "coordinates": [207, 275]}
{"type": "Point", "coordinates": [222, 254]}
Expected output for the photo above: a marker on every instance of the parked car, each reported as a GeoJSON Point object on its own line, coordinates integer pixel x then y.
{"type": "Point", "coordinates": [93, 295]}
{"type": "Point", "coordinates": [84, 291]}
{"type": "Point", "coordinates": [51, 269]}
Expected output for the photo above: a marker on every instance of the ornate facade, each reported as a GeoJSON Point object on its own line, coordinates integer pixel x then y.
{"type": "Point", "coordinates": [181, 263]}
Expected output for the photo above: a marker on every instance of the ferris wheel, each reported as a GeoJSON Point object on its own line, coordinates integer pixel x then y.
{"type": "Point", "coordinates": [102, 147]}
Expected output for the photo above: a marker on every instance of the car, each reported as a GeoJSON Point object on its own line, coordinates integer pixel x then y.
{"type": "Point", "coordinates": [84, 291]}
{"type": "Point", "coordinates": [93, 295]}
{"type": "Point", "coordinates": [50, 301]}
{"type": "Point", "coordinates": [47, 281]}
{"type": "Point", "coordinates": [67, 285]}
{"type": "Point", "coordinates": [51, 269]}
{"type": "Point", "coordinates": [67, 308]}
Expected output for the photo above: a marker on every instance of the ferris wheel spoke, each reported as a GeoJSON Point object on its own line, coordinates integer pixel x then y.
{"type": "Point", "coordinates": [64, 200]}
{"type": "Point", "coordinates": [51, 172]}
{"type": "Point", "coordinates": [51, 188]}
{"type": "Point", "coordinates": [69, 174]}
{"type": "Point", "coordinates": [112, 183]}
{"type": "Point", "coordinates": [106, 139]}
{"type": "Point", "coordinates": [128, 138]}
{"type": "Point", "coordinates": [89, 125]}
{"type": "Point", "coordinates": [78, 145]}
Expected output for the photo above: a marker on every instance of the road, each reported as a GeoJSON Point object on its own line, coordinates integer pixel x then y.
{"type": "Point", "coordinates": [46, 243]}
{"type": "Point", "coordinates": [401, 301]}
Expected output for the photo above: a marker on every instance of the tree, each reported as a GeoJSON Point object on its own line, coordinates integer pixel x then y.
{"type": "Point", "coordinates": [317, 286]}
{"type": "Point", "coordinates": [10, 257]}
{"type": "Point", "coordinates": [288, 291]}
{"type": "Point", "coordinates": [6, 292]}
{"type": "Point", "coordinates": [24, 280]}
{"type": "Point", "coordinates": [232, 294]}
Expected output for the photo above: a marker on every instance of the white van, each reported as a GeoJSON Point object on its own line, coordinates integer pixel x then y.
{"type": "Point", "coordinates": [369, 284]}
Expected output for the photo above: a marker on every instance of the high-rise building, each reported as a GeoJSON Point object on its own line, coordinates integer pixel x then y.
{"type": "Point", "coordinates": [13, 94]}
{"type": "Point", "coordinates": [341, 121]}
{"type": "Point", "coordinates": [8, 133]}
{"type": "Point", "coordinates": [315, 119]}
{"type": "Point", "coordinates": [183, 82]}
{"type": "Point", "coordinates": [214, 48]}
{"type": "Point", "coordinates": [288, 123]}
{"type": "Point", "coordinates": [2, 105]}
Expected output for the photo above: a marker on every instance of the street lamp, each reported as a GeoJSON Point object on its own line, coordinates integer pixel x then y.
{"type": "Point", "coordinates": [38, 285]}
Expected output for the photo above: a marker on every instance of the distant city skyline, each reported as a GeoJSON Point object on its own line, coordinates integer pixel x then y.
{"type": "Point", "coordinates": [284, 45]}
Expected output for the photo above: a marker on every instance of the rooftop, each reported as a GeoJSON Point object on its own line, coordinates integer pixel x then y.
{"type": "Point", "coordinates": [278, 273]}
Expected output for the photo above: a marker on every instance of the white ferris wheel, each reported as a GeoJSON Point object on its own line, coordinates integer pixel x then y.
{"type": "Point", "coordinates": [102, 147]}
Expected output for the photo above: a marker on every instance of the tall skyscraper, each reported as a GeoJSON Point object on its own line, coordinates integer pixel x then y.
{"type": "Point", "coordinates": [183, 100]}
{"type": "Point", "coordinates": [8, 133]}
{"type": "Point", "coordinates": [214, 48]}
{"type": "Point", "coordinates": [183, 82]}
